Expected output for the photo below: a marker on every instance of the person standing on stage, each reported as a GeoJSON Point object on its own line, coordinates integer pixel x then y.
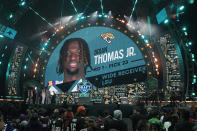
{"type": "Point", "coordinates": [43, 94]}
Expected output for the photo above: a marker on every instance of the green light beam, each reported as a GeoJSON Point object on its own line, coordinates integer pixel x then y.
{"type": "Point", "coordinates": [42, 17]}
{"type": "Point", "coordinates": [132, 11]}
{"type": "Point", "coordinates": [101, 1]}
{"type": "Point", "coordinates": [149, 26]}
{"type": "Point", "coordinates": [73, 6]}
{"type": "Point", "coordinates": [61, 12]}
{"type": "Point", "coordinates": [87, 6]}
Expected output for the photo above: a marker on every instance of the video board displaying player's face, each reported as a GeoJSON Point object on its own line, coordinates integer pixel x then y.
{"type": "Point", "coordinates": [102, 55]}
{"type": "Point", "coordinates": [74, 58]}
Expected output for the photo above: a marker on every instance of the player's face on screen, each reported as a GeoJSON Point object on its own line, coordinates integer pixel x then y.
{"type": "Point", "coordinates": [72, 62]}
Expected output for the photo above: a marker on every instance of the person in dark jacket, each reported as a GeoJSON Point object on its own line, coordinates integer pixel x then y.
{"type": "Point", "coordinates": [116, 123]}
{"type": "Point", "coordinates": [34, 123]}
{"type": "Point", "coordinates": [80, 121]}
{"type": "Point", "coordinates": [185, 124]}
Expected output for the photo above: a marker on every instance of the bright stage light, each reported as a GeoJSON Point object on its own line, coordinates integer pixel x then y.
{"type": "Point", "coordinates": [108, 17]}
{"type": "Point", "coordinates": [130, 24]}
{"type": "Point", "coordinates": [23, 3]}
{"type": "Point", "coordinates": [146, 41]}
{"type": "Point", "coordinates": [1, 36]}
{"type": "Point", "coordinates": [78, 16]}
{"type": "Point", "coordinates": [82, 17]}
{"type": "Point", "coordinates": [191, 1]}
{"type": "Point", "coordinates": [109, 13]}
{"type": "Point", "coordinates": [99, 16]}
{"type": "Point", "coordinates": [94, 16]}
{"type": "Point", "coordinates": [190, 43]}
{"type": "Point", "coordinates": [127, 18]}
{"type": "Point", "coordinates": [181, 8]}
{"type": "Point", "coordinates": [193, 59]}
{"type": "Point", "coordinates": [66, 19]}
{"type": "Point", "coordinates": [166, 21]}
{"type": "Point", "coordinates": [184, 29]}
{"type": "Point", "coordinates": [10, 16]}
{"type": "Point", "coordinates": [157, 66]}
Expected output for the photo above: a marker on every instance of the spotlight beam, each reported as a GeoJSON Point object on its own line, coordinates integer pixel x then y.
{"type": "Point", "coordinates": [87, 6]}
{"type": "Point", "coordinates": [66, 19]}
{"type": "Point", "coordinates": [61, 12]}
{"type": "Point", "coordinates": [74, 6]}
{"type": "Point", "coordinates": [149, 26]}
{"type": "Point", "coordinates": [42, 17]}
{"type": "Point", "coordinates": [101, 2]}
{"type": "Point", "coordinates": [133, 10]}
{"type": "Point", "coordinates": [30, 58]}
{"type": "Point", "coordinates": [38, 34]}
{"type": "Point", "coordinates": [94, 16]}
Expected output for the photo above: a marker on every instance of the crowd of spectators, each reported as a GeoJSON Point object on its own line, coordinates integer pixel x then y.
{"type": "Point", "coordinates": [18, 116]}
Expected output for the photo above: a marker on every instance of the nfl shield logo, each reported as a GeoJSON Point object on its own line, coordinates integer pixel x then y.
{"type": "Point", "coordinates": [84, 86]}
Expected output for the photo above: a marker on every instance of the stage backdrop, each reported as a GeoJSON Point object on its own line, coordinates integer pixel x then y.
{"type": "Point", "coordinates": [115, 57]}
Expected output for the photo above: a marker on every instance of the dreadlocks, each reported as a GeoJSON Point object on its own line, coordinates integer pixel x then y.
{"type": "Point", "coordinates": [84, 54]}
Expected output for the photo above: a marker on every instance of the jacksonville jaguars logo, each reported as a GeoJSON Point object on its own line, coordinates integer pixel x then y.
{"type": "Point", "coordinates": [107, 37]}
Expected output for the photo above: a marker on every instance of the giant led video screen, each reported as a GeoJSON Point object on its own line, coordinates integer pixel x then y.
{"type": "Point", "coordinates": [101, 55]}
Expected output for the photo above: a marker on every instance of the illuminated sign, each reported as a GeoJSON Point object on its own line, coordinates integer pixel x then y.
{"type": "Point", "coordinates": [161, 16]}
{"type": "Point", "coordinates": [7, 31]}
{"type": "Point", "coordinates": [114, 57]}
{"type": "Point", "coordinates": [13, 71]}
{"type": "Point", "coordinates": [84, 86]}
{"type": "Point", "coordinates": [84, 95]}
